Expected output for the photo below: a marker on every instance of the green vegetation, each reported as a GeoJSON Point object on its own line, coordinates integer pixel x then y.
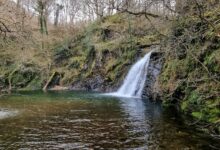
{"type": "Point", "coordinates": [99, 54]}
{"type": "Point", "coordinates": [105, 48]}
{"type": "Point", "coordinates": [190, 77]}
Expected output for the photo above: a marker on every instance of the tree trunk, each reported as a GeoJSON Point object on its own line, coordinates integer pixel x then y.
{"type": "Point", "coordinates": [57, 14]}
{"type": "Point", "coordinates": [56, 17]}
{"type": "Point", "coordinates": [18, 4]}
{"type": "Point", "coordinates": [42, 17]}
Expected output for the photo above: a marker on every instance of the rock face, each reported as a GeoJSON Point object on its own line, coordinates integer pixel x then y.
{"type": "Point", "coordinates": [98, 82]}
{"type": "Point", "coordinates": [90, 84]}
{"type": "Point", "coordinates": [151, 89]}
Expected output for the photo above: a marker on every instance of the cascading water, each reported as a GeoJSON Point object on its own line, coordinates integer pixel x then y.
{"type": "Point", "coordinates": [134, 82]}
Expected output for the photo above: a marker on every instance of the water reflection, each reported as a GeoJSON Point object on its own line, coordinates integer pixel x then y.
{"type": "Point", "coordinates": [142, 116]}
{"type": "Point", "coordinates": [135, 108]}
{"type": "Point", "coordinates": [79, 120]}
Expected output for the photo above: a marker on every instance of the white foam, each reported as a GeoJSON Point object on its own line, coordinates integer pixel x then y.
{"type": "Point", "coordinates": [4, 113]}
{"type": "Point", "coordinates": [134, 82]}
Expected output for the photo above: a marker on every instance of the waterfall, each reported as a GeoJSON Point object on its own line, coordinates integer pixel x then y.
{"type": "Point", "coordinates": [134, 82]}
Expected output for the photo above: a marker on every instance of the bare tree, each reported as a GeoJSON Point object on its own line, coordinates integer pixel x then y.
{"type": "Point", "coordinates": [75, 7]}
{"type": "Point", "coordinates": [58, 8]}
{"type": "Point", "coordinates": [41, 9]}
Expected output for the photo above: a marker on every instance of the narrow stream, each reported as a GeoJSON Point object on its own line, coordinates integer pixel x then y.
{"type": "Point", "coordinates": [82, 120]}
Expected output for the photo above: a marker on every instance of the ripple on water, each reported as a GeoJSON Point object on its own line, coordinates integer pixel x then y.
{"type": "Point", "coordinates": [73, 145]}
{"type": "Point", "coordinates": [77, 120]}
{"type": "Point", "coordinates": [92, 123]}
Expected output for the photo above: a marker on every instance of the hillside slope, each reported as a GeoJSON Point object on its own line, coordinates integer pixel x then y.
{"type": "Point", "coordinates": [190, 76]}
{"type": "Point", "coordinates": [96, 58]}
{"type": "Point", "coordinates": [99, 57]}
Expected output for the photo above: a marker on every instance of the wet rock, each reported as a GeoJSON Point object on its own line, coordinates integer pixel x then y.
{"type": "Point", "coordinates": [98, 81]}
{"type": "Point", "coordinates": [94, 83]}
{"type": "Point", "coordinates": [151, 89]}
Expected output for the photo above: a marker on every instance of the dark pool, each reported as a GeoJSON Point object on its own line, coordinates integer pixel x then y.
{"type": "Point", "coordinates": [82, 120]}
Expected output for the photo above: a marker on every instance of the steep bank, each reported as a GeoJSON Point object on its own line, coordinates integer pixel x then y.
{"type": "Point", "coordinates": [97, 58]}
{"type": "Point", "coordinates": [100, 57]}
{"type": "Point", "coordinates": [190, 75]}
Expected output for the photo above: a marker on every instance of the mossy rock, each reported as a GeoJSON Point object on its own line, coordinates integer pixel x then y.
{"type": "Point", "coordinates": [22, 77]}
{"type": "Point", "coordinates": [61, 55]}
{"type": "Point", "coordinates": [35, 84]}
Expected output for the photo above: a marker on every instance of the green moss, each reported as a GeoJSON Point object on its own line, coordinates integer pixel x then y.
{"type": "Point", "coordinates": [207, 115]}
{"type": "Point", "coordinates": [115, 19]}
{"type": "Point", "coordinates": [184, 105]}
{"type": "Point", "coordinates": [213, 61]}
{"type": "Point", "coordinates": [197, 115]}
{"type": "Point", "coordinates": [76, 62]}
{"type": "Point", "coordinates": [194, 98]}
{"type": "Point", "coordinates": [35, 84]}
{"type": "Point", "coordinates": [110, 45]}
{"type": "Point", "coordinates": [195, 61]}
{"type": "Point", "coordinates": [148, 39]}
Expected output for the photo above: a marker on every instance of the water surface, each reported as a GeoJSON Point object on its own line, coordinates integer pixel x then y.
{"type": "Point", "coordinates": [81, 120]}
